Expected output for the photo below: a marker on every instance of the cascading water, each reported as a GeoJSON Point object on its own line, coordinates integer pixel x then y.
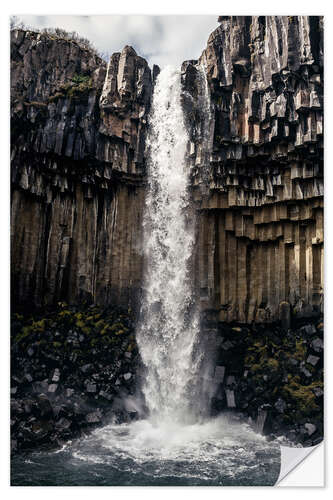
{"type": "Point", "coordinates": [168, 330]}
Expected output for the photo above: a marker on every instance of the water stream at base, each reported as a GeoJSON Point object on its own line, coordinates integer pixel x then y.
{"type": "Point", "coordinates": [178, 444]}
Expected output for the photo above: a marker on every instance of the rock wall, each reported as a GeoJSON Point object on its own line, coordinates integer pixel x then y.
{"type": "Point", "coordinates": [78, 169]}
{"type": "Point", "coordinates": [260, 234]}
{"type": "Point", "coordinates": [78, 133]}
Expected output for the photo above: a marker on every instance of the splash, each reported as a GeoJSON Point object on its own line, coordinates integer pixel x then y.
{"type": "Point", "coordinates": [168, 330]}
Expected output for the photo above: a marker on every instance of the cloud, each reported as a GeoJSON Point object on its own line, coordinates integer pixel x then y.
{"type": "Point", "coordinates": [161, 40]}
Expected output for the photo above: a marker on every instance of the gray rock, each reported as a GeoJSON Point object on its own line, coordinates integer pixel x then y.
{"type": "Point", "coordinates": [63, 423]}
{"type": "Point", "coordinates": [13, 390]}
{"type": "Point", "coordinates": [219, 374]}
{"type": "Point", "coordinates": [227, 345]}
{"type": "Point", "coordinates": [88, 368]}
{"type": "Point", "coordinates": [30, 351]}
{"type": "Point", "coordinates": [127, 376]}
{"type": "Point", "coordinates": [231, 380]}
{"type": "Point", "coordinates": [128, 355]}
{"type": "Point", "coordinates": [56, 375]}
{"type": "Point", "coordinates": [280, 405]}
{"type": "Point", "coordinates": [28, 377]}
{"type": "Point", "coordinates": [313, 360]}
{"type": "Point", "coordinates": [317, 344]}
{"type": "Point", "coordinates": [306, 372]}
{"type": "Point", "coordinates": [69, 392]}
{"type": "Point", "coordinates": [105, 395]}
{"type": "Point", "coordinates": [230, 395]}
{"type": "Point", "coordinates": [93, 417]}
{"type": "Point", "coordinates": [52, 388]}
{"type": "Point", "coordinates": [91, 388]}
{"type": "Point", "coordinates": [318, 392]}
{"type": "Point", "coordinates": [310, 428]}
{"type": "Point", "coordinates": [309, 329]}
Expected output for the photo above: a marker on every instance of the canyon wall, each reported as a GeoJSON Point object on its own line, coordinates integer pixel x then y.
{"type": "Point", "coordinates": [78, 169]}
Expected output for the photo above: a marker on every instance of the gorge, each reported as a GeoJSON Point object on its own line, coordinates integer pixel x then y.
{"type": "Point", "coordinates": [192, 201]}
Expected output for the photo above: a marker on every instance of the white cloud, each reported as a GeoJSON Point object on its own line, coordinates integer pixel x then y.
{"type": "Point", "coordinates": [160, 39]}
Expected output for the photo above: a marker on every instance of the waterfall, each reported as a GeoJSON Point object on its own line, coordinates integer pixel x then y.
{"type": "Point", "coordinates": [168, 330]}
{"type": "Point", "coordinates": [205, 138]}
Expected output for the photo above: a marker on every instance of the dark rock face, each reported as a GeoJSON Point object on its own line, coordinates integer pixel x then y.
{"type": "Point", "coordinates": [260, 231]}
{"type": "Point", "coordinates": [78, 135]}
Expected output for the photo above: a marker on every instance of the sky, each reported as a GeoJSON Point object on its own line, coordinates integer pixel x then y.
{"type": "Point", "coordinates": [161, 40]}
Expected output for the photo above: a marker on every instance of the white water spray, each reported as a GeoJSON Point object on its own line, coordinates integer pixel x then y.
{"type": "Point", "coordinates": [167, 335]}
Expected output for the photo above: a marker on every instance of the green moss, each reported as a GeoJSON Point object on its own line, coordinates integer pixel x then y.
{"type": "Point", "coordinates": [301, 396]}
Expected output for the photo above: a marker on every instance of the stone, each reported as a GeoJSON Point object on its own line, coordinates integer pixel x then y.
{"type": "Point", "coordinates": [28, 377]}
{"type": "Point", "coordinates": [52, 388]}
{"type": "Point", "coordinates": [105, 395]}
{"type": "Point", "coordinates": [230, 395]}
{"type": "Point", "coordinates": [231, 380]}
{"type": "Point", "coordinates": [88, 368]}
{"type": "Point", "coordinates": [313, 360]}
{"type": "Point", "coordinates": [127, 376]}
{"type": "Point", "coordinates": [219, 374]}
{"type": "Point", "coordinates": [93, 417]}
{"type": "Point", "coordinates": [318, 392]}
{"type": "Point", "coordinates": [13, 390]}
{"type": "Point", "coordinates": [56, 375]}
{"type": "Point", "coordinates": [227, 345]}
{"type": "Point", "coordinates": [30, 351]}
{"type": "Point", "coordinates": [310, 428]}
{"type": "Point", "coordinates": [280, 405]}
{"type": "Point", "coordinates": [317, 344]}
{"type": "Point", "coordinates": [91, 388]}
{"type": "Point", "coordinates": [128, 355]}
{"type": "Point", "coordinates": [63, 424]}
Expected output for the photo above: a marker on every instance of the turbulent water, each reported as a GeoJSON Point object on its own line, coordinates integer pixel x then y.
{"type": "Point", "coordinates": [216, 453]}
{"type": "Point", "coordinates": [177, 444]}
{"type": "Point", "coordinates": [167, 335]}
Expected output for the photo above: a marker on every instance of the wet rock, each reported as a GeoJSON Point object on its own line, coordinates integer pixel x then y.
{"type": "Point", "coordinates": [219, 374]}
{"type": "Point", "coordinates": [63, 424]}
{"type": "Point", "coordinates": [93, 417]}
{"type": "Point", "coordinates": [230, 395]}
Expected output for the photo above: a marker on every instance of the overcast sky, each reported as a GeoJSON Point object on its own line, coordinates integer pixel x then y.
{"type": "Point", "coordinates": [161, 40]}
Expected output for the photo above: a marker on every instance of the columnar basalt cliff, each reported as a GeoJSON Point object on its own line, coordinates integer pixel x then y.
{"type": "Point", "coordinates": [260, 235]}
{"type": "Point", "coordinates": [78, 170]}
{"type": "Point", "coordinates": [78, 136]}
